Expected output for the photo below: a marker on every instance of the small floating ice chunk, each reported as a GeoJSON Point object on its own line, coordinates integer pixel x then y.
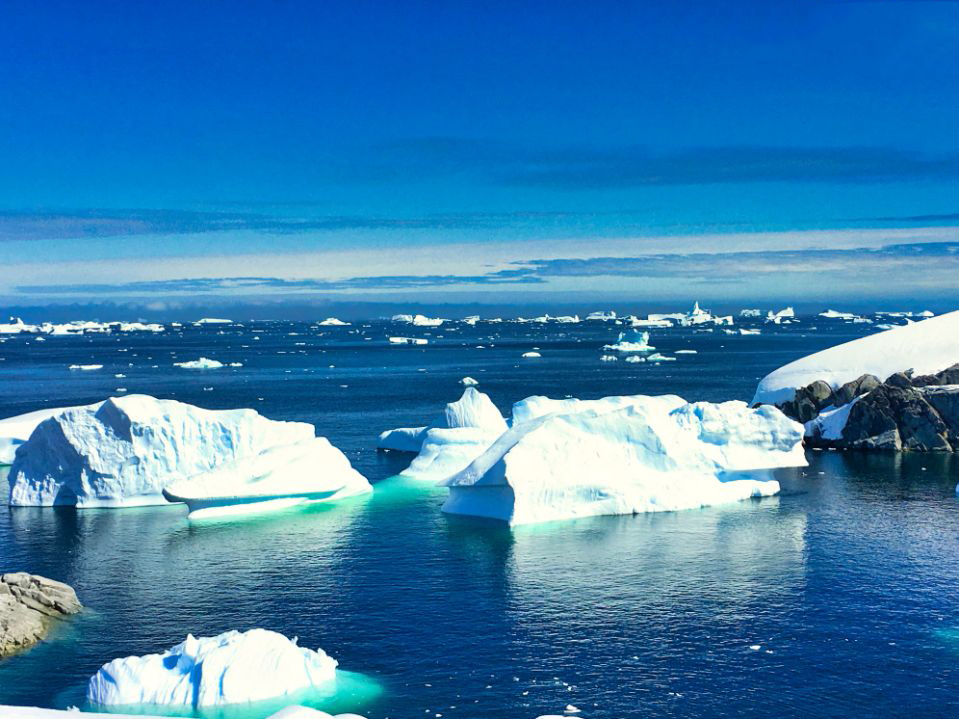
{"type": "Point", "coordinates": [609, 358]}
{"type": "Point", "coordinates": [86, 367]}
{"type": "Point", "coordinates": [230, 668]}
{"type": "Point", "coordinates": [408, 341]}
{"type": "Point", "coordinates": [202, 363]}
{"type": "Point", "coordinates": [530, 355]}
{"type": "Point", "coordinates": [635, 358]}
{"type": "Point", "coordinates": [468, 382]}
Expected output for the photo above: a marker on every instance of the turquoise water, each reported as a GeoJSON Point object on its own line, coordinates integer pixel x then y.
{"type": "Point", "coordinates": [848, 582]}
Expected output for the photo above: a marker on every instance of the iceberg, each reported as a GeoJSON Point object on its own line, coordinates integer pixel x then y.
{"type": "Point", "coordinates": [14, 431]}
{"type": "Point", "coordinates": [213, 321]}
{"type": "Point", "coordinates": [563, 459]}
{"type": "Point", "coordinates": [408, 341]}
{"type": "Point", "coordinates": [86, 367]}
{"type": "Point", "coordinates": [468, 382]}
{"type": "Point", "coordinates": [202, 363]}
{"type": "Point", "coordinates": [230, 668]}
{"type": "Point", "coordinates": [333, 322]}
{"type": "Point", "coordinates": [530, 355]}
{"type": "Point", "coordinates": [16, 326]}
{"type": "Point", "coordinates": [125, 450]}
{"type": "Point", "coordinates": [925, 347]}
{"type": "Point", "coordinates": [746, 332]}
{"type": "Point", "coordinates": [609, 358]}
{"type": "Point", "coordinates": [465, 430]}
{"type": "Point", "coordinates": [312, 470]}
{"type": "Point", "coordinates": [654, 323]}
{"type": "Point", "coordinates": [631, 341]}
{"type": "Point", "coordinates": [777, 317]}
{"type": "Point", "coordinates": [750, 313]}
{"type": "Point", "coordinates": [601, 316]}
{"type": "Point", "coordinates": [418, 320]}
{"type": "Point", "coordinates": [22, 712]}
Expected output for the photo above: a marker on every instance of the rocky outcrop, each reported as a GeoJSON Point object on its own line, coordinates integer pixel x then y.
{"type": "Point", "coordinates": [903, 413]}
{"type": "Point", "coordinates": [29, 604]}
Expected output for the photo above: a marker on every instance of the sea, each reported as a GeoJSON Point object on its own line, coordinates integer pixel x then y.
{"type": "Point", "coordinates": [837, 598]}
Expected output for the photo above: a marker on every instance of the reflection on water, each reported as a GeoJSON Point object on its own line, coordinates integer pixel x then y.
{"type": "Point", "coordinates": [846, 585]}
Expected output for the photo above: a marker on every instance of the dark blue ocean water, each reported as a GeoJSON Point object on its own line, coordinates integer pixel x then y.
{"type": "Point", "coordinates": [848, 582]}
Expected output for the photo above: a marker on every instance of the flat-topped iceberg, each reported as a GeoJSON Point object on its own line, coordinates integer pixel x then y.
{"type": "Point", "coordinates": [230, 668]}
{"type": "Point", "coordinates": [563, 459]}
{"type": "Point", "coordinates": [202, 363]}
{"type": "Point", "coordinates": [125, 450]}
{"type": "Point", "coordinates": [925, 347]}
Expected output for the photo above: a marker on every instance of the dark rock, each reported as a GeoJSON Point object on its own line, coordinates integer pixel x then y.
{"type": "Point", "coordinates": [945, 400]}
{"type": "Point", "coordinates": [896, 417]}
{"type": "Point", "coordinates": [28, 604]}
{"type": "Point", "coordinates": [849, 391]}
{"type": "Point", "coordinates": [808, 401]}
{"type": "Point", "coordinates": [900, 379]}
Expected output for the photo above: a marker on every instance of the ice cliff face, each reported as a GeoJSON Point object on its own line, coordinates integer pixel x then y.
{"type": "Point", "coordinates": [231, 668]}
{"type": "Point", "coordinates": [125, 450]}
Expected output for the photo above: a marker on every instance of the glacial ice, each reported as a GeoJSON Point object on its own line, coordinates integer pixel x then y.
{"type": "Point", "coordinates": [563, 459]}
{"type": "Point", "coordinates": [14, 431]}
{"type": "Point", "coordinates": [926, 347]}
{"type": "Point", "coordinates": [230, 668]}
{"type": "Point", "coordinates": [125, 450]}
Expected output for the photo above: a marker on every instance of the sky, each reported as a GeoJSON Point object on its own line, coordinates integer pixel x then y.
{"type": "Point", "coordinates": [163, 156]}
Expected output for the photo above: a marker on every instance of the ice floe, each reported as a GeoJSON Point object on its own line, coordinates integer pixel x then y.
{"type": "Point", "coordinates": [202, 363]}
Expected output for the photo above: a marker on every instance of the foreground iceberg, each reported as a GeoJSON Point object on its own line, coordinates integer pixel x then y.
{"type": "Point", "coordinates": [631, 341]}
{"type": "Point", "coordinates": [230, 668]}
{"type": "Point", "coordinates": [621, 455]}
{"type": "Point", "coordinates": [126, 450]}
{"type": "Point", "coordinates": [925, 347]}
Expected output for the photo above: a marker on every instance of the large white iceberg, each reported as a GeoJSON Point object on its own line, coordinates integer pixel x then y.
{"type": "Point", "coordinates": [230, 668]}
{"type": "Point", "coordinates": [631, 341]}
{"type": "Point", "coordinates": [563, 459]}
{"type": "Point", "coordinates": [126, 450]}
{"type": "Point", "coordinates": [926, 347]}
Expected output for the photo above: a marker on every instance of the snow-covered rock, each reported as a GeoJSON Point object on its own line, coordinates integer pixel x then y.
{"type": "Point", "coordinates": [926, 347]}
{"type": "Point", "coordinates": [126, 450]}
{"type": "Point", "coordinates": [312, 470]}
{"type": "Point", "coordinates": [202, 363]}
{"type": "Point", "coordinates": [230, 668]}
{"type": "Point", "coordinates": [563, 459]}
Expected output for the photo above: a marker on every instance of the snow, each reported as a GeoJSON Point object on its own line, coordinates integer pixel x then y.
{"type": "Point", "coordinates": [230, 668]}
{"type": "Point", "coordinates": [631, 341]}
{"type": "Point", "coordinates": [830, 422]}
{"type": "Point", "coordinates": [563, 459]}
{"type": "Point", "coordinates": [125, 450]}
{"type": "Point", "coordinates": [312, 470]}
{"type": "Point", "coordinates": [333, 322]}
{"type": "Point", "coordinates": [926, 347]}
{"type": "Point", "coordinates": [531, 355]}
{"type": "Point", "coordinates": [202, 363]}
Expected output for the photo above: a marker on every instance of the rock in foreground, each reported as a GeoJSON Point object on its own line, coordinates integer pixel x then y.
{"type": "Point", "coordinates": [230, 668]}
{"type": "Point", "coordinates": [28, 605]}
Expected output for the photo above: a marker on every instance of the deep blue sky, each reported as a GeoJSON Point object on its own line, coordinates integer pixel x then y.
{"type": "Point", "coordinates": [318, 142]}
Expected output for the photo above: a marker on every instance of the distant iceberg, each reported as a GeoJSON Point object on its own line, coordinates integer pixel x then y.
{"type": "Point", "coordinates": [563, 459]}
{"type": "Point", "coordinates": [777, 318]}
{"type": "Point", "coordinates": [202, 363]}
{"type": "Point", "coordinates": [601, 316]}
{"type": "Point", "coordinates": [631, 341]}
{"type": "Point", "coordinates": [230, 668]}
{"type": "Point", "coordinates": [418, 320]}
{"type": "Point", "coordinates": [408, 341]}
{"type": "Point", "coordinates": [126, 450]}
{"type": "Point", "coordinates": [333, 322]}
{"type": "Point", "coordinates": [530, 355]}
